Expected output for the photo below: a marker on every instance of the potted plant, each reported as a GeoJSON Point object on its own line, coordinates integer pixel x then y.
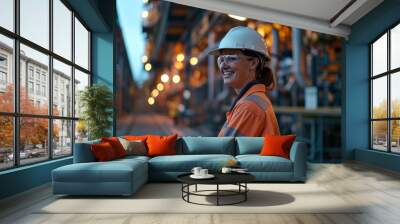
{"type": "Point", "coordinates": [96, 102]}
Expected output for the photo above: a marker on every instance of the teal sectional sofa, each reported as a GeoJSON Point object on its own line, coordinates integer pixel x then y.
{"type": "Point", "coordinates": [125, 176]}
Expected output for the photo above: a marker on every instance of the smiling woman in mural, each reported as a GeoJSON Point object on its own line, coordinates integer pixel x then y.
{"type": "Point", "coordinates": [243, 60]}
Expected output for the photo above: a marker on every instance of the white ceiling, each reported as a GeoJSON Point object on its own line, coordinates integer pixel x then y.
{"type": "Point", "coordinates": [321, 9]}
{"type": "Point", "coordinates": [316, 15]}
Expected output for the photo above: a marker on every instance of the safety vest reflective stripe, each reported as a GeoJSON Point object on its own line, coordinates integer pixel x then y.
{"type": "Point", "coordinates": [247, 119]}
{"type": "Point", "coordinates": [231, 132]}
{"type": "Point", "coordinates": [227, 131]}
{"type": "Point", "coordinates": [252, 115]}
{"type": "Point", "coordinates": [222, 131]}
{"type": "Point", "coordinates": [258, 100]}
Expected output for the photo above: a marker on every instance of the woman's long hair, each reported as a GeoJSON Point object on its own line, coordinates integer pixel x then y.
{"type": "Point", "coordinates": [263, 71]}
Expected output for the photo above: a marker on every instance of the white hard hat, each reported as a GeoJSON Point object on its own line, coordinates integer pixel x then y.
{"type": "Point", "coordinates": [242, 38]}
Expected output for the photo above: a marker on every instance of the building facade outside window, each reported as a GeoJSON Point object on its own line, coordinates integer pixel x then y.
{"type": "Point", "coordinates": [37, 74]}
{"type": "Point", "coordinates": [38, 89]}
{"type": "Point", "coordinates": [41, 83]}
{"type": "Point", "coordinates": [3, 78]}
{"type": "Point", "coordinates": [3, 61]}
{"type": "Point", "coordinates": [30, 72]}
{"type": "Point", "coordinates": [30, 87]}
{"type": "Point", "coordinates": [3, 72]}
{"type": "Point", "coordinates": [385, 91]}
{"type": "Point", "coordinates": [43, 90]}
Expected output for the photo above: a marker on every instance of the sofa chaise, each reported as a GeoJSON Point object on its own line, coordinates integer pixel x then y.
{"type": "Point", "coordinates": [125, 176]}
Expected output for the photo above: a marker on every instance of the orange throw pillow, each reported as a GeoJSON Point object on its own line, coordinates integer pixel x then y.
{"type": "Point", "coordinates": [103, 151]}
{"type": "Point", "coordinates": [277, 145]}
{"type": "Point", "coordinates": [116, 145]}
{"type": "Point", "coordinates": [135, 137]}
{"type": "Point", "coordinates": [161, 145]}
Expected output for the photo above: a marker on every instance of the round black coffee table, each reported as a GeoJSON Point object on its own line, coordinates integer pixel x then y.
{"type": "Point", "coordinates": [238, 179]}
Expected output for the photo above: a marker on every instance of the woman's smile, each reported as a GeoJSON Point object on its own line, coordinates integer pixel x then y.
{"type": "Point", "coordinates": [226, 74]}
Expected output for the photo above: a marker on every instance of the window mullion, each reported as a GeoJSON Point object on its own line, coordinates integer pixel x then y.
{"type": "Point", "coordinates": [389, 106]}
{"type": "Point", "coordinates": [371, 145]}
{"type": "Point", "coordinates": [18, 75]}
{"type": "Point", "coordinates": [50, 81]}
{"type": "Point", "coordinates": [16, 84]}
{"type": "Point", "coordinates": [73, 82]}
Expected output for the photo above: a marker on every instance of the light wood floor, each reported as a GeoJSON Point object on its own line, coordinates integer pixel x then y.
{"type": "Point", "coordinates": [354, 182]}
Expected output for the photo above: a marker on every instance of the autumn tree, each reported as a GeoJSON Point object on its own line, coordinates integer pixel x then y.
{"type": "Point", "coordinates": [380, 127]}
{"type": "Point", "coordinates": [395, 123]}
{"type": "Point", "coordinates": [6, 122]}
{"type": "Point", "coordinates": [33, 131]}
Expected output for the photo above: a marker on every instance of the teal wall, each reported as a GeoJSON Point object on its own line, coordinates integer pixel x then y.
{"type": "Point", "coordinates": [102, 58]}
{"type": "Point", "coordinates": [24, 178]}
{"type": "Point", "coordinates": [103, 62]}
{"type": "Point", "coordinates": [380, 159]}
{"type": "Point", "coordinates": [356, 106]}
{"type": "Point", "coordinates": [94, 12]}
{"type": "Point", "coordinates": [99, 16]}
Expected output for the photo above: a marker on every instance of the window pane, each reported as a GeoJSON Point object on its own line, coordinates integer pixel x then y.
{"type": "Point", "coordinates": [81, 81]}
{"type": "Point", "coordinates": [62, 138]}
{"type": "Point", "coordinates": [6, 74]}
{"type": "Point", "coordinates": [62, 29]}
{"type": "Point", "coordinates": [7, 14]}
{"type": "Point", "coordinates": [379, 55]}
{"type": "Point", "coordinates": [81, 131]}
{"type": "Point", "coordinates": [6, 142]}
{"type": "Point", "coordinates": [395, 136]}
{"type": "Point", "coordinates": [81, 45]}
{"type": "Point", "coordinates": [395, 94]}
{"type": "Point", "coordinates": [395, 47]}
{"type": "Point", "coordinates": [34, 72]}
{"type": "Point", "coordinates": [62, 89]}
{"type": "Point", "coordinates": [379, 97]}
{"type": "Point", "coordinates": [33, 139]}
{"type": "Point", "coordinates": [35, 21]}
{"type": "Point", "coordinates": [379, 135]}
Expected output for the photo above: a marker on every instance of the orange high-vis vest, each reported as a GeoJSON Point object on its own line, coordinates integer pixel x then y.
{"type": "Point", "coordinates": [252, 115]}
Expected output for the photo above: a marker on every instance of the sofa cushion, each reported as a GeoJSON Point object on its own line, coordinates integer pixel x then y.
{"type": "Point", "coordinates": [249, 145]}
{"type": "Point", "coordinates": [116, 145]}
{"type": "Point", "coordinates": [132, 158]}
{"type": "Point", "coordinates": [161, 145]}
{"type": "Point", "coordinates": [257, 163]}
{"type": "Point", "coordinates": [135, 137]}
{"type": "Point", "coordinates": [103, 151]}
{"type": "Point", "coordinates": [277, 145]}
{"type": "Point", "coordinates": [207, 145]}
{"type": "Point", "coordinates": [83, 152]}
{"type": "Point", "coordinates": [134, 147]}
{"type": "Point", "coordinates": [185, 163]}
{"type": "Point", "coordinates": [112, 171]}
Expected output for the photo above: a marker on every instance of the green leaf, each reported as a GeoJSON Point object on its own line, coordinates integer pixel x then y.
{"type": "Point", "coordinates": [96, 102]}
